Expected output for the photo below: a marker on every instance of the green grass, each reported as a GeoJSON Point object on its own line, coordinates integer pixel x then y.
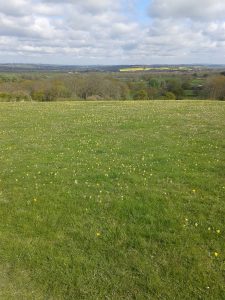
{"type": "Point", "coordinates": [112, 200]}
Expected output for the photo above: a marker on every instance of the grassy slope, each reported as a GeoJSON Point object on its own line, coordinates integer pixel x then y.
{"type": "Point", "coordinates": [112, 200]}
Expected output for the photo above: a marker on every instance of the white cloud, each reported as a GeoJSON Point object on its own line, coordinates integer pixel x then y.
{"type": "Point", "coordinates": [190, 29]}
{"type": "Point", "coordinates": [192, 9]}
{"type": "Point", "coordinates": [110, 31]}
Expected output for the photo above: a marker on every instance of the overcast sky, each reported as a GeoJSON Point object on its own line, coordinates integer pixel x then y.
{"type": "Point", "coordinates": [112, 31]}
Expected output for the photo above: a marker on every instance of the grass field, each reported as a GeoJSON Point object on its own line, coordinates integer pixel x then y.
{"type": "Point", "coordinates": [112, 200]}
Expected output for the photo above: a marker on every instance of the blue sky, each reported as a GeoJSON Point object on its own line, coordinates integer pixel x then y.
{"type": "Point", "coordinates": [112, 31]}
{"type": "Point", "coordinates": [142, 9]}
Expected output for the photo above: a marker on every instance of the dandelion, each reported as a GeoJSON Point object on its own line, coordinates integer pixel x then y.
{"type": "Point", "coordinates": [216, 254]}
{"type": "Point", "coordinates": [194, 191]}
{"type": "Point", "coordinates": [218, 231]}
{"type": "Point", "coordinates": [98, 233]}
{"type": "Point", "coordinates": [35, 200]}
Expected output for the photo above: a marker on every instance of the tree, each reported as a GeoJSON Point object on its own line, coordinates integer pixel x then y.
{"type": "Point", "coordinates": [215, 88]}
{"type": "Point", "coordinates": [186, 85]}
{"type": "Point", "coordinates": [174, 86]}
{"type": "Point", "coordinates": [153, 93]}
{"type": "Point", "coordinates": [154, 83]}
{"type": "Point", "coordinates": [141, 95]}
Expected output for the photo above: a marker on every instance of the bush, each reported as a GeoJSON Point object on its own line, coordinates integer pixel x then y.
{"type": "Point", "coordinates": [141, 95]}
{"type": "Point", "coordinates": [169, 96]}
{"type": "Point", "coordinates": [14, 96]}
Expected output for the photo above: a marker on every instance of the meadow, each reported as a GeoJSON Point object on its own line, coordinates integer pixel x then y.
{"type": "Point", "coordinates": [112, 200]}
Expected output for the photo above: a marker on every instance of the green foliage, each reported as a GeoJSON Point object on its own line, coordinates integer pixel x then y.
{"type": "Point", "coordinates": [141, 95]}
{"type": "Point", "coordinates": [186, 85]}
{"type": "Point", "coordinates": [5, 96]}
{"type": "Point", "coordinates": [108, 86]}
{"type": "Point", "coordinates": [169, 96]}
{"type": "Point", "coordinates": [14, 96]}
{"type": "Point", "coordinates": [154, 83]}
{"type": "Point", "coordinates": [174, 86]}
{"type": "Point", "coordinates": [153, 93]}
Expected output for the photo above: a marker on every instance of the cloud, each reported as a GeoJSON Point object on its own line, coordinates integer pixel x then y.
{"type": "Point", "coordinates": [89, 6]}
{"type": "Point", "coordinates": [197, 10]}
{"type": "Point", "coordinates": [193, 30]}
{"type": "Point", "coordinates": [111, 32]}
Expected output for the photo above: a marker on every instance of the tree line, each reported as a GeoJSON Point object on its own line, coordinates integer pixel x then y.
{"type": "Point", "coordinates": [112, 86]}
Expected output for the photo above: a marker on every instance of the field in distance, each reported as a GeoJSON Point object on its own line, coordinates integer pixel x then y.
{"type": "Point", "coordinates": [160, 68]}
{"type": "Point", "coordinates": [112, 200]}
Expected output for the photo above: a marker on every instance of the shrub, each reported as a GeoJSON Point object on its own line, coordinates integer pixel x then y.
{"type": "Point", "coordinates": [169, 96]}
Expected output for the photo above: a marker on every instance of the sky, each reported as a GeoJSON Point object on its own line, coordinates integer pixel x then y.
{"type": "Point", "coordinates": [91, 32]}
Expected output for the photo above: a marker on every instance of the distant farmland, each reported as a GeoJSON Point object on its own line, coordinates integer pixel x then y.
{"type": "Point", "coordinates": [163, 68]}
{"type": "Point", "coordinates": [112, 200]}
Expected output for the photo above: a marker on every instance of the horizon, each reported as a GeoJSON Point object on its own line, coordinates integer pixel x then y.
{"type": "Point", "coordinates": [108, 65]}
{"type": "Point", "coordinates": [112, 32]}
